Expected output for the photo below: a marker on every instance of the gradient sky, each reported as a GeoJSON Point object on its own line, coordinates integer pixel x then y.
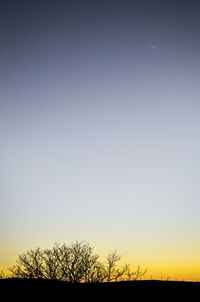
{"type": "Point", "coordinates": [100, 128]}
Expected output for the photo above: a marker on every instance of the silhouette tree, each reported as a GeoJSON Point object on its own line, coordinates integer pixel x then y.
{"type": "Point", "coordinates": [79, 263]}
{"type": "Point", "coordinates": [113, 273]}
{"type": "Point", "coordinates": [29, 265]}
{"type": "Point", "coordinates": [73, 263]}
{"type": "Point", "coordinates": [2, 275]}
{"type": "Point", "coordinates": [52, 260]}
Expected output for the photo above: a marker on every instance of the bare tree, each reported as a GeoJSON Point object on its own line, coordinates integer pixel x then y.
{"type": "Point", "coordinates": [73, 263]}
{"type": "Point", "coordinates": [2, 275]}
{"type": "Point", "coordinates": [29, 265]}
{"type": "Point", "coordinates": [115, 273]}
{"type": "Point", "coordinates": [79, 263]}
{"type": "Point", "coordinates": [133, 275]}
{"type": "Point", "coordinates": [111, 271]}
{"type": "Point", "coordinates": [53, 259]}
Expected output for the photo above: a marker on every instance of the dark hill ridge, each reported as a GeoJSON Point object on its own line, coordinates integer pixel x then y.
{"type": "Point", "coordinates": [30, 288]}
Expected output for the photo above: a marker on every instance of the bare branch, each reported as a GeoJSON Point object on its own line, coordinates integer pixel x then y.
{"type": "Point", "coordinates": [73, 263]}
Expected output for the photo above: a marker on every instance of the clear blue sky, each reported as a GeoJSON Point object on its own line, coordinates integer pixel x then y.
{"type": "Point", "coordinates": [99, 127]}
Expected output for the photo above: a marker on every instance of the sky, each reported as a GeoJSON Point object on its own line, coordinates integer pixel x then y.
{"type": "Point", "coordinates": [99, 130]}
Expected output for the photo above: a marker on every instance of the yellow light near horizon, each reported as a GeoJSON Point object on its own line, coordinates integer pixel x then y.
{"type": "Point", "coordinates": [185, 267]}
{"type": "Point", "coordinates": [183, 273]}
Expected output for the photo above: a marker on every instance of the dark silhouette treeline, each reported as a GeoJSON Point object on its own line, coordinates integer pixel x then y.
{"type": "Point", "coordinates": [74, 263]}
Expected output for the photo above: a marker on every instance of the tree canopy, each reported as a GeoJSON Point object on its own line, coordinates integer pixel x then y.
{"type": "Point", "coordinates": [74, 263]}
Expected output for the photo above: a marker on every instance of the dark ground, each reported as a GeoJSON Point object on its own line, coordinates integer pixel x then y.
{"type": "Point", "coordinates": [26, 289]}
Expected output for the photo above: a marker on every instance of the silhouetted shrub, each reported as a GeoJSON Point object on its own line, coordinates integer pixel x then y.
{"type": "Point", "coordinates": [73, 263]}
{"type": "Point", "coordinates": [2, 275]}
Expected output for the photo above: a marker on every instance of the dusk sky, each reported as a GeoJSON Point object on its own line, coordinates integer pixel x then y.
{"type": "Point", "coordinates": [100, 130]}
